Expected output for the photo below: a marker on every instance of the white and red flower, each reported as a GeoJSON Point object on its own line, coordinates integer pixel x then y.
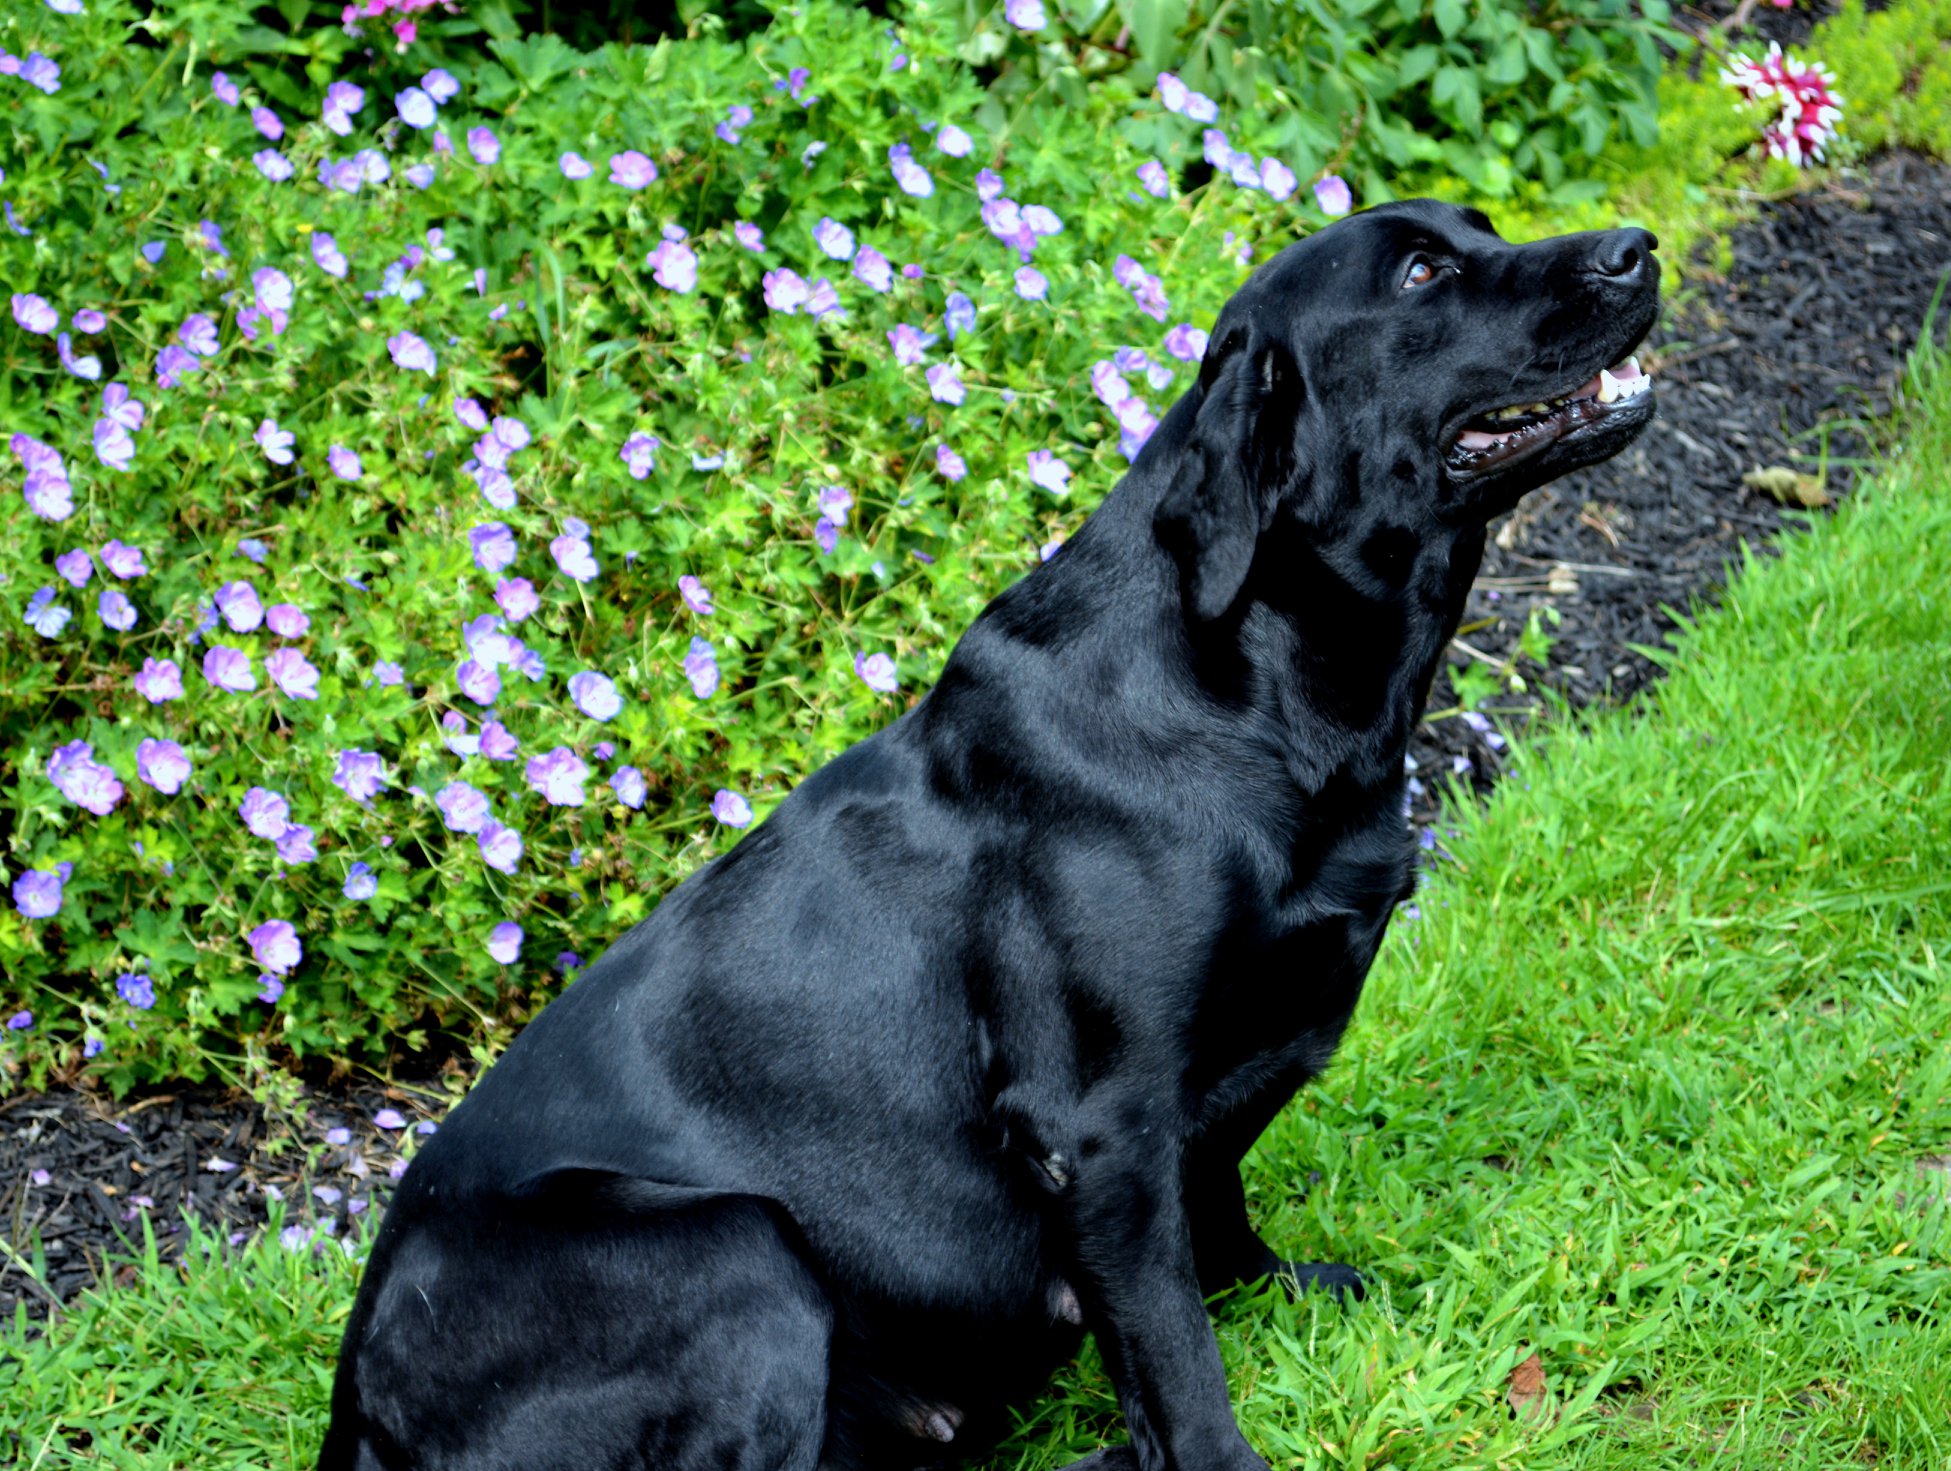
{"type": "Point", "coordinates": [1804, 90]}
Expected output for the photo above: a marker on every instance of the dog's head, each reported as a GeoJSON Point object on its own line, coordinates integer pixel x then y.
{"type": "Point", "coordinates": [1402, 368]}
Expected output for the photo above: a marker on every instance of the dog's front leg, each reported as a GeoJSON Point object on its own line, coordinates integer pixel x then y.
{"type": "Point", "coordinates": [1115, 1169]}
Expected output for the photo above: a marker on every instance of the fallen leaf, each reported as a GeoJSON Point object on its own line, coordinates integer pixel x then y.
{"type": "Point", "coordinates": [1530, 1397]}
{"type": "Point", "coordinates": [1790, 487]}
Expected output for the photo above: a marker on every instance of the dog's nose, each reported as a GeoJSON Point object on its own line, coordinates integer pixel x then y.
{"type": "Point", "coordinates": [1622, 254]}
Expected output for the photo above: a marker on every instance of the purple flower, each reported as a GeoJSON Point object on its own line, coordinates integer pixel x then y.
{"type": "Point", "coordinates": [872, 268]}
{"type": "Point", "coordinates": [46, 620]}
{"type": "Point", "coordinates": [493, 544]}
{"type": "Point", "coordinates": [595, 695]}
{"type": "Point", "coordinates": [827, 534]}
{"type": "Point", "coordinates": [675, 266]}
{"type": "Point", "coordinates": [267, 122]}
{"type": "Point", "coordinates": [1147, 290]}
{"type": "Point", "coordinates": [113, 446]}
{"type": "Point", "coordinates": [1025, 15]}
{"type": "Point", "coordinates": [123, 560]}
{"type": "Point", "coordinates": [326, 254]}
{"type": "Point", "coordinates": [342, 100]}
{"type": "Point", "coordinates": [832, 237]}
{"type": "Point", "coordinates": [116, 610]}
{"type": "Point", "coordinates": [344, 462]}
{"type": "Point", "coordinates": [89, 321]}
{"type": "Point", "coordinates": [785, 291]}
{"type": "Point", "coordinates": [953, 141]}
{"type": "Point", "coordinates": [410, 352]}
{"type": "Point", "coordinates": [295, 845]}
{"type": "Point", "coordinates": [878, 671]}
{"type": "Point", "coordinates": [238, 602]}
{"type": "Point", "coordinates": [697, 597]}
{"type": "Point", "coordinates": [730, 808]}
{"type": "Point", "coordinates": [628, 784]}
{"type": "Point", "coordinates": [293, 1238]}
{"type": "Point", "coordinates": [1333, 195]}
{"type": "Point", "coordinates": [75, 567]}
{"type": "Point", "coordinates": [516, 597]}
{"type": "Point", "coordinates": [639, 454]}
{"type": "Point", "coordinates": [1186, 342]}
{"type": "Point", "coordinates": [1031, 284]}
{"type": "Point", "coordinates": [360, 885]}
{"type": "Point", "coordinates": [911, 176]}
{"type": "Point", "coordinates": [1049, 471]}
{"type": "Point", "coordinates": [276, 946]}
{"type": "Point", "coordinates": [944, 385]}
{"type": "Point", "coordinates": [834, 502]}
{"type": "Point", "coordinates": [1151, 174]}
{"type": "Point", "coordinates": [501, 847]}
{"type": "Point", "coordinates": [1277, 179]}
{"type": "Point", "coordinates": [960, 315]}
{"type": "Point", "coordinates": [558, 777]}
{"type": "Point", "coordinates": [750, 236]}
{"type": "Point", "coordinates": [287, 620]}
{"type": "Point", "coordinates": [229, 669]}
{"type": "Point", "coordinates": [505, 942]}
{"type": "Point", "coordinates": [199, 334]}
{"type": "Point", "coordinates": [265, 813]}
{"type": "Point", "coordinates": [275, 442]}
{"type": "Point", "coordinates": [83, 780]}
{"type": "Point", "coordinates": [908, 343]}
{"type": "Point", "coordinates": [225, 89]}
{"type": "Point", "coordinates": [824, 299]}
{"type": "Point", "coordinates": [497, 742]}
{"type": "Point", "coordinates": [89, 367]}
{"type": "Point", "coordinates": [483, 145]}
{"type": "Point", "coordinates": [359, 774]}
{"type": "Point", "coordinates": [441, 85]}
{"type": "Point", "coordinates": [701, 668]}
{"type": "Point", "coordinates": [464, 807]}
{"type": "Point", "coordinates": [470, 413]}
{"type": "Point", "coordinates": [632, 170]}
{"type": "Point", "coordinates": [137, 989]}
{"type": "Point", "coordinates": [573, 556]}
{"type": "Point", "coordinates": [293, 673]}
{"type": "Point", "coordinates": [575, 166]}
{"type": "Point", "coordinates": [34, 314]}
{"type": "Point", "coordinates": [415, 107]}
{"type": "Point", "coordinates": [37, 893]}
{"type": "Point", "coordinates": [951, 465]}
{"type": "Point", "coordinates": [171, 364]}
{"type": "Point", "coordinates": [161, 680]}
{"type": "Point", "coordinates": [253, 549]}
{"type": "Point", "coordinates": [478, 681]}
{"type": "Point", "coordinates": [20, 1021]}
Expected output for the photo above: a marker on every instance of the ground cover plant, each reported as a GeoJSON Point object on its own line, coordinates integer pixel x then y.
{"type": "Point", "coordinates": [448, 505]}
{"type": "Point", "coordinates": [1645, 1133]}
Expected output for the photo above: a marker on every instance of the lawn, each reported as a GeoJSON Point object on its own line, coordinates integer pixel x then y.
{"type": "Point", "coordinates": [1655, 1090]}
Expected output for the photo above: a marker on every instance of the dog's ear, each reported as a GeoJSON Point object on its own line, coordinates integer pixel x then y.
{"type": "Point", "coordinates": [1240, 454]}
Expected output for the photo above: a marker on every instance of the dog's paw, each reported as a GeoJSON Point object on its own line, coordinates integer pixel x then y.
{"type": "Point", "coordinates": [1344, 1282]}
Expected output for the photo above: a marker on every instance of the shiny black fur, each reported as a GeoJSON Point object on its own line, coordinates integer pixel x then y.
{"type": "Point", "coordinates": [817, 1166]}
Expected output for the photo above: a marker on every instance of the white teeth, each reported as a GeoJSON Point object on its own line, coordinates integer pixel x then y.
{"type": "Point", "coordinates": [1608, 386]}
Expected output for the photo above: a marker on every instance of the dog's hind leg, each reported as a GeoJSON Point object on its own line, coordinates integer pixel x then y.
{"type": "Point", "coordinates": [591, 1325]}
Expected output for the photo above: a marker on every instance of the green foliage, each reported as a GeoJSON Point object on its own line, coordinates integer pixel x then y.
{"type": "Point", "coordinates": [574, 336]}
{"type": "Point", "coordinates": [1491, 92]}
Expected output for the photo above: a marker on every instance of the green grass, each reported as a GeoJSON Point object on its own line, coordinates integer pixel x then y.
{"type": "Point", "coordinates": [1650, 1090]}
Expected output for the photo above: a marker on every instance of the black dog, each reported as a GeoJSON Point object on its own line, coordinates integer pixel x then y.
{"type": "Point", "coordinates": [840, 1152]}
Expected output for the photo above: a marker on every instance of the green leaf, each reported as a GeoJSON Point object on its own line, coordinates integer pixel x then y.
{"type": "Point", "coordinates": [1451, 17]}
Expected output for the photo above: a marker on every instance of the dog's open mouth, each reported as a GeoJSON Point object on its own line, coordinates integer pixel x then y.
{"type": "Point", "coordinates": [1504, 435]}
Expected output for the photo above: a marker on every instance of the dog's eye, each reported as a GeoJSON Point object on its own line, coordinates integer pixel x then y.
{"type": "Point", "coordinates": [1422, 271]}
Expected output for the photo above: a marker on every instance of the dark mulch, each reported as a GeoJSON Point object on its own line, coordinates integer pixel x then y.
{"type": "Point", "coordinates": [1826, 294]}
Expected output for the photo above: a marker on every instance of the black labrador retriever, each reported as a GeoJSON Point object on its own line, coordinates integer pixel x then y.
{"type": "Point", "coordinates": [838, 1154]}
